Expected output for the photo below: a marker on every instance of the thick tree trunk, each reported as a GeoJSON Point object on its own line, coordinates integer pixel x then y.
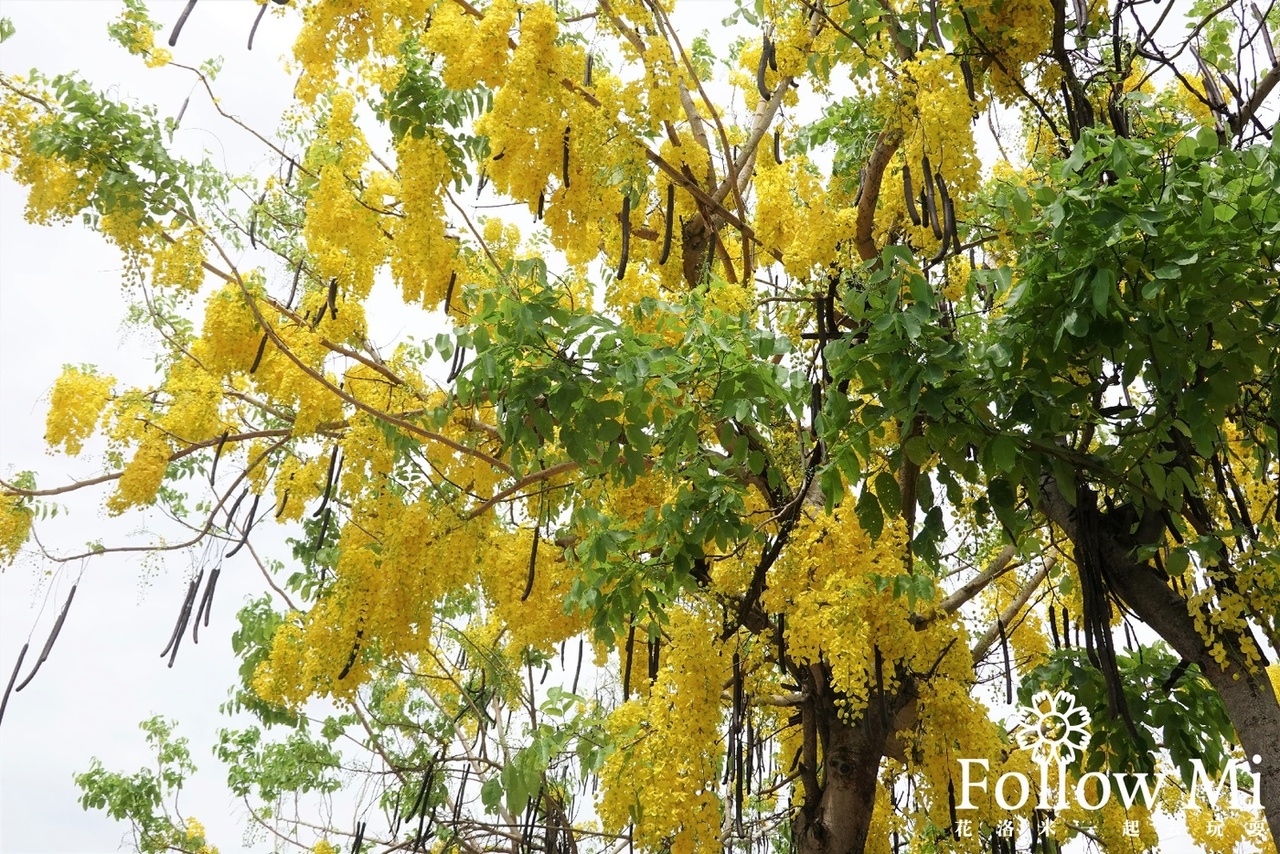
{"type": "Point", "coordinates": [837, 817]}
{"type": "Point", "coordinates": [1249, 699]}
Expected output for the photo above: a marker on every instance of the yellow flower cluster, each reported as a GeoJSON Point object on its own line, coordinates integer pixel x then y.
{"type": "Point", "coordinates": [15, 527]}
{"type": "Point", "coordinates": [356, 32]}
{"type": "Point", "coordinates": [474, 52]}
{"type": "Point", "coordinates": [78, 400]}
{"type": "Point", "coordinates": [1014, 32]}
{"type": "Point", "coordinates": [230, 337]}
{"type": "Point", "coordinates": [141, 478]}
{"type": "Point", "coordinates": [665, 770]}
{"type": "Point", "coordinates": [178, 264]}
{"type": "Point", "coordinates": [795, 216]}
{"type": "Point", "coordinates": [538, 620]}
{"type": "Point", "coordinates": [422, 252]}
{"type": "Point", "coordinates": [196, 837]}
{"type": "Point", "coordinates": [193, 414]}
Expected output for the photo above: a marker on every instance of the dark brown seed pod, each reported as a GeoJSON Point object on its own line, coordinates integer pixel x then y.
{"type": "Point", "coordinates": [217, 455]}
{"type": "Point", "coordinates": [931, 203]}
{"type": "Point", "coordinates": [284, 502]}
{"type": "Point", "coordinates": [182, 111]}
{"type": "Point", "coordinates": [324, 529]}
{"type": "Point", "coordinates": [909, 195]}
{"type": "Point", "coordinates": [1008, 665]}
{"type": "Point", "coordinates": [351, 659]}
{"type": "Point", "coordinates": [182, 20]}
{"type": "Point", "coordinates": [13, 677]}
{"type": "Point", "coordinates": [946, 239]}
{"type": "Point", "coordinates": [206, 603]}
{"type": "Point", "coordinates": [577, 671]}
{"type": "Point", "coordinates": [293, 288]}
{"type": "Point", "coordinates": [967, 71]}
{"type": "Point", "coordinates": [542, 201]}
{"type": "Point", "coordinates": [53, 635]}
{"type": "Point", "coordinates": [333, 298]}
{"type": "Point", "coordinates": [328, 483]}
{"type": "Point", "coordinates": [448, 292]}
{"type": "Point", "coordinates": [626, 235]}
{"type": "Point", "coordinates": [564, 164]}
{"type": "Point", "coordinates": [777, 146]}
{"type": "Point", "coordinates": [183, 616]}
{"type": "Point", "coordinates": [772, 47]}
{"type": "Point", "coordinates": [234, 507]}
{"type": "Point", "coordinates": [533, 565]}
{"type": "Point", "coordinates": [288, 175]}
{"type": "Point", "coordinates": [262, 348]}
{"type": "Point", "coordinates": [586, 77]}
{"type": "Point", "coordinates": [670, 217]}
{"type": "Point", "coordinates": [248, 526]}
{"type": "Point", "coordinates": [626, 671]}
{"type": "Point", "coordinates": [253, 217]}
{"type": "Point", "coordinates": [1053, 628]}
{"type": "Point", "coordinates": [262, 10]}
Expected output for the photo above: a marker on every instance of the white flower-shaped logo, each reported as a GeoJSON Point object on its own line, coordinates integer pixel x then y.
{"type": "Point", "coordinates": [1054, 727]}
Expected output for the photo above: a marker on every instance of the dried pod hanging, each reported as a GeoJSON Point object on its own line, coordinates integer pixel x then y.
{"type": "Point", "coordinates": [668, 225]}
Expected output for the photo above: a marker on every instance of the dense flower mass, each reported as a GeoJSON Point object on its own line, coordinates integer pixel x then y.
{"type": "Point", "coordinates": [691, 442]}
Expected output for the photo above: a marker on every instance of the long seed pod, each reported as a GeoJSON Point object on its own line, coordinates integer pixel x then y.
{"type": "Point", "coordinates": [459, 362]}
{"type": "Point", "coordinates": [1066, 628]}
{"type": "Point", "coordinates": [909, 195]}
{"type": "Point", "coordinates": [542, 201]}
{"type": "Point", "coordinates": [182, 111]}
{"type": "Point", "coordinates": [13, 677]}
{"type": "Point", "coordinates": [324, 529]}
{"type": "Point", "coordinates": [930, 201]}
{"type": "Point", "coordinates": [253, 216]}
{"type": "Point", "coordinates": [1174, 676]}
{"type": "Point", "coordinates": [183, 617]}
{"type": "Point", "coordinates": [217, 454]}
{"type": "Point", "coordinates": [462, 789]}
{"type": "Point", "coordinates": [297, 273]}
{"type": "Point", "coordinates": [951, 807]}
{"type": "Point", "coordinates": [284, 502]}
{"type": "Point", "coordinates": [772, 48]}
{"type": "Point", "coordinates": [967, 71]}
{"type": "Point", "coordinates": [262, 348]}
{"type": "Point", "coordinates": [234, 507]}
{"type": "Point", "coordinates": [448, 292]}
{"type": "Point", "coordinates": [288, 175]}
{"type": "Point", "coordinates": [248, 526]}
{"type": "Point", "coordinates": [586, 77]}
{"type": "Point", "coordinates": [777, 146]}
{"type": "Point", "coordinates": [577, 670]}
{"type": "Point", "coordinates": [564, 164]}
{"type": "Point", "coordinates": [761, 67]}
{"type": "Point", "coordinates": [1053, 628]}
{"type": "Point", "coordinates": [333, 299]}
{"type": "Point", "coordinates": [180, 625]}
{"type": "Point", "coordinates": [206, 603]}
{"type": "Point", "coordinates": [182, 20]}
{"type": "Point", "coordinates": [533, 565]}
{"type": "Point", "coordinates": [948, 229]}
{"type": "Point", "coordinates": [670, 217]}
{"type": "Point", "coordinates": [53, 635]}
{"type": "Point", "coordinates": [359, 840]}
{"type": "Point", "coordinates": [351, 659]}
{"type": "Point", "coordinates": [626, 235]}
{"type": "Point", "coordinates": [328, 484]}
{"type": "Point", "coordinates": [626, 672]}
{"type": "Point", "coordinates": [655, 659]}
{"type": "Point", "coordinates": [1008, 669]}
{"type": "Point", "coordinates": [262, 10]}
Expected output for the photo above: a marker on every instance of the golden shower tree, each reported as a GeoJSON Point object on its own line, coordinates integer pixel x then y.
{"type": "Point", "coordinates": [803, 427]}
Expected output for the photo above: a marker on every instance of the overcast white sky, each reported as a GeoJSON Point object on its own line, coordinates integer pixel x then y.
{"type": "Point", "coordinates": [60, 303]}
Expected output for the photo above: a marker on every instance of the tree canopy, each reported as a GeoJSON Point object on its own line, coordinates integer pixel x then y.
{"type": "Point", "coordinates": [683, 442]}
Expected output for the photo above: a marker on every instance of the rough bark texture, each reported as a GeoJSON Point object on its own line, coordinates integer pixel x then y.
{"type": "Point", "coordinates": [837, 817]}
{"type": "Point", "coordinates": [1249, 699]}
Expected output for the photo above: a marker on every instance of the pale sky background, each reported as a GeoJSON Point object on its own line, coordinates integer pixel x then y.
{"type": "Point", "coordinates": [60, 303]}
